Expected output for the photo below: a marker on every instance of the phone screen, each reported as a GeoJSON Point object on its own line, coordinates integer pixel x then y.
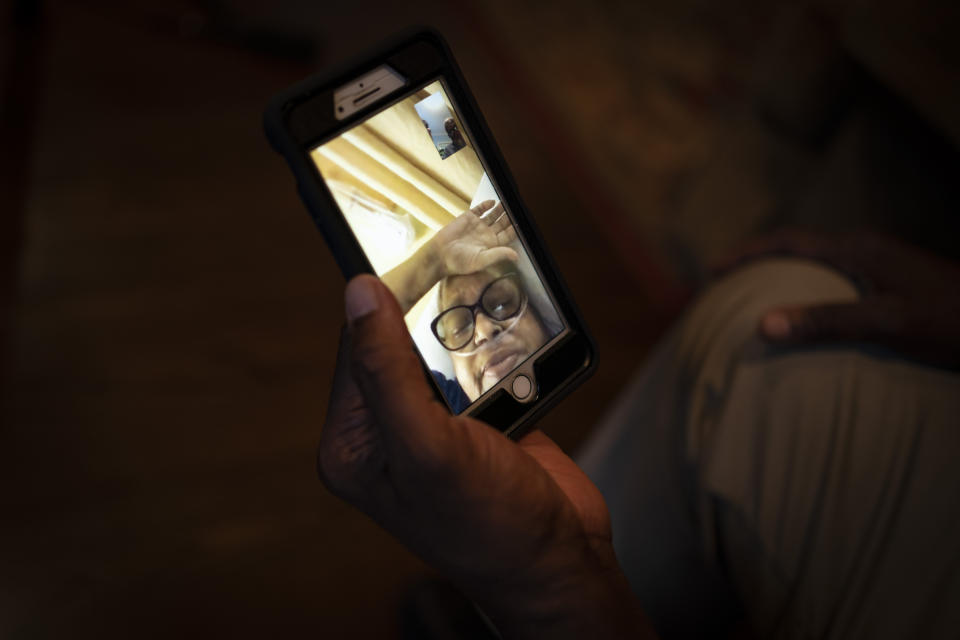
{"type": "Point", "coordinates": [417, 197]}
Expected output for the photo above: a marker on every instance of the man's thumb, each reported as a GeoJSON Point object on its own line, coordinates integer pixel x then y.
{"type": "Point", "coordinates": [362, 297]}
{"type": "Point", "coordinates": [383, 363]}
{"type": "Point", "coordinates": [854, 321]}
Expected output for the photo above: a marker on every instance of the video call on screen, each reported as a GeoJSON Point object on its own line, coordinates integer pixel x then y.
{"type": "Point", "coordinates": [412, 188]}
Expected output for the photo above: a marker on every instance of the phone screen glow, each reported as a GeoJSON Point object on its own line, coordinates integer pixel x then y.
{"type": "Point", "coordinates": [416, 195]}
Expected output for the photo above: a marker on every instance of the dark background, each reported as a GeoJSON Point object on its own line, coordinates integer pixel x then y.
{"type": "Point", "coordinates": [170, 315]}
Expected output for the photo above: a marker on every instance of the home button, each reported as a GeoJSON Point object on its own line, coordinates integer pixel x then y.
{"type": "Point", "coordinates": [521, 386]}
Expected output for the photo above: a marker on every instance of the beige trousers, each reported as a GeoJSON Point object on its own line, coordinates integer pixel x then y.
{"type": "Point", "coordinates": [813, 491]}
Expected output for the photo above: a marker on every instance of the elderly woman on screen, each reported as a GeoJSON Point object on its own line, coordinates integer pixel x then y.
{"type": "Point", "coordinates": [492, 312]}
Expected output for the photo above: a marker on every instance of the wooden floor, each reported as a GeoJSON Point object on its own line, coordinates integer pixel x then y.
{"type": "Point", "coordinates": [172, 339]}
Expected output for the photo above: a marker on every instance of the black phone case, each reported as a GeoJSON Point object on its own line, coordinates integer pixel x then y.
{"type": "Point", "coordinates": [287, 139]}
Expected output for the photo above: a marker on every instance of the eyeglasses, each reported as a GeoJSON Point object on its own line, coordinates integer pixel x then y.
{"type": "Point", "coordinates": [501, 300]}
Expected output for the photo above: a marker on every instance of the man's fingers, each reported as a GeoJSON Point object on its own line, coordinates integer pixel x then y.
{"type": "Point", "coordinates": [873, 319]}
{"type": "Point", "coordinates": [385, 368]}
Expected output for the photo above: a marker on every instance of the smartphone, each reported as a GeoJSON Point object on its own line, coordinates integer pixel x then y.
{"type": "Point", "coordinates": [396, 165]}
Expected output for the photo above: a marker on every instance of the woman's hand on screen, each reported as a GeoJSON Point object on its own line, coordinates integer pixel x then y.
{"type": "Point", "coordinates": [476, 239]}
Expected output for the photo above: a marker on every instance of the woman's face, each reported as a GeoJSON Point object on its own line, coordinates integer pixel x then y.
{"type": "Point", "coordinates": [497, 347]}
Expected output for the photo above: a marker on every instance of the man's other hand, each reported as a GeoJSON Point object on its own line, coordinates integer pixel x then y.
{"type": "Point", "coordinates": [517, 526]}
{"type": "Point", "coordinates": [910, 298]}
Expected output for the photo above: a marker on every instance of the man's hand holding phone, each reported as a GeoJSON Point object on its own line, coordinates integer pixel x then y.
{"type": "Point", "coordinates": [516, 525]}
